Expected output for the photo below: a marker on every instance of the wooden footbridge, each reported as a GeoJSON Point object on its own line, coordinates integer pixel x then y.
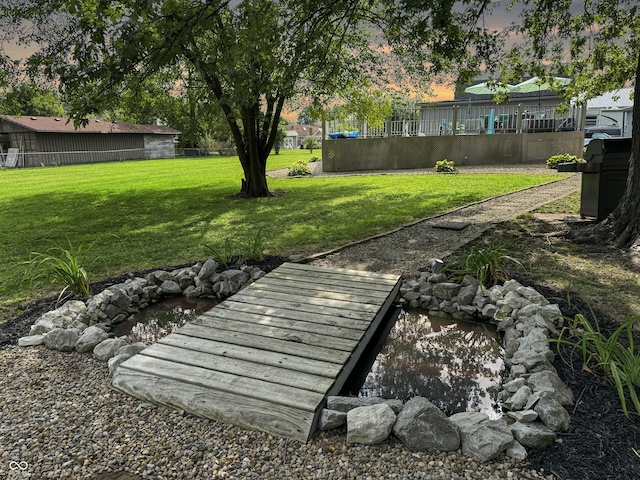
{"type": "Point", "coordinates": [267, 357]}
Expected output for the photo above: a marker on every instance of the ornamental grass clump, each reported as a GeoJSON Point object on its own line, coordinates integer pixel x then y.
{"type": "Point", "coordinates": [486, 263]}
{"type": "Point", "coordinates": [618, 361]}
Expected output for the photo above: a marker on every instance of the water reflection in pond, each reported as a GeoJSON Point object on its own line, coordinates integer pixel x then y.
{"type": "Point", "coordinates": [160, 319]}
{"type": "Point", "coordinates": [456, 365]}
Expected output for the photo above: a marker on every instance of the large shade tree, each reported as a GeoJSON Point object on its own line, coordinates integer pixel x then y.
{"type": "Point", "coordinates": [252, 55]}
{"type": "Point", "coordinates": [597, 44]}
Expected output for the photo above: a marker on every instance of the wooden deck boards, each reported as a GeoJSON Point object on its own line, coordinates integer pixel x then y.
{"type": "Point", "coordinates": [267, 357]}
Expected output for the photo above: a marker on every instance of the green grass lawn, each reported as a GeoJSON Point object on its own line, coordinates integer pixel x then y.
{"type": "Point", "coordinates": [159, 213]}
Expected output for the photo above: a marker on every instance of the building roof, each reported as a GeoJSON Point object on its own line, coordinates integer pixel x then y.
{"type": "Point", "coordinates": [63, 125]}
{"type": "Point", "coordinates": [617, 99]}
{"type": "Point", "coordinates": [301, 130]}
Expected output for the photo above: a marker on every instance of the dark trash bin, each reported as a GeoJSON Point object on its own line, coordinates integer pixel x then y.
{"type": "Point", "coordinates": [604, 175]}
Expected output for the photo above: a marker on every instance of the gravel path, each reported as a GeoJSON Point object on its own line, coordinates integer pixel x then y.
{"type": "Point", "coordinates": [60, 419]}
{"type": "Point", "coordinates": [411, 247]}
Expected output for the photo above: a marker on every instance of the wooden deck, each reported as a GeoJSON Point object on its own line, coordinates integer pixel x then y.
{"type": "Point", "coordinates": [267, 357]}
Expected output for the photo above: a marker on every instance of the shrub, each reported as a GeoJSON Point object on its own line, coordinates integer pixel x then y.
{"type": "Point", "coordinates": [229, 251]}
{"type": "Point", "coordinates": [555, 160]}
{"type": "Point", "coordinates": [314, 159]}
{"type": "Point", "coordinates": [620, 363]}
{"type": "Point", "coordinates": [445, 165]}
{"type": "Point", "coordinates": [300, 168]}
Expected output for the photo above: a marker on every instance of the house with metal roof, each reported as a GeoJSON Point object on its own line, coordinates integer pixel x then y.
{"type": "Point", "coordinates": [41, 141]}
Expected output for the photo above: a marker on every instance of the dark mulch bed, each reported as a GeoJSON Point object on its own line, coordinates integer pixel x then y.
{"type": "Point", "coordinates": [598, 446]}
{"type": "Point", "coordinates": [601, 443]}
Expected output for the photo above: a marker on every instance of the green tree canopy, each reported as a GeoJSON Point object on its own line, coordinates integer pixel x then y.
{"type": "Point", "coordinates": [252, 55]}
{"type": "Point", "coordinates": [31, 99]}
{"type": "Point", "coordinates": [597, 44]}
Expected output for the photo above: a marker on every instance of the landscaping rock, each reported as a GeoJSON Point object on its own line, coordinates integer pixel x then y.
{"type": "Point", "coordinates": [552, 414]}
{"type": "Point", "coordinates": [62, 339]}
{"type": "Point", "coordinates": [131, 350]}
{"type": "Point", "coordinates": [533, 435]}
{"type": "Point", "coordinates": [550, 382]}
{"type": "Point", "coordinates": [445, 290]}
{"type": "Point", "coordinates": [90, 337]}
{"type": "Point", "coordinates": [108, 348]}
{"type": "Point", "coordinates": [31, 340]}
{"type": "Point", "coordinates": [370, 425]}
{"type": "Point", "coordinates": [516, 451]}
{"type": "Point", "coordinates": [344, 404]}
{"type": "Point", "coordinates": [331, 419]}
{"type": "Point", "coordinates": [481, 438]}
{"type": "Point", "coordinates": [421, 425]}
{"type": "Point", "coordinates": [170, 288]}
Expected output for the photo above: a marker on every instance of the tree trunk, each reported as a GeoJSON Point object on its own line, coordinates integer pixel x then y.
{"type": "Point", "coordinates": [623, 225]}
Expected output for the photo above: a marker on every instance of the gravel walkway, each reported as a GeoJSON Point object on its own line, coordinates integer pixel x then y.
{"type": "Point", "coordinates": [60, 419]}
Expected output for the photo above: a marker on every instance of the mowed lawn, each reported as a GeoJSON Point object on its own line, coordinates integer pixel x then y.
{"type": "Point", "coordinates": [158, 213]}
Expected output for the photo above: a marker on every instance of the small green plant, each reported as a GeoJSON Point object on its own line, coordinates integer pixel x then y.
{"type": "Point", "coordinates": [300, 168]}
{"type": "Point", "coordinates": [314, 159]}
{"type": "Point", "coordinates": [310, 144]}
{"type": "Point", "coordinates": [555, 160]}
{"type": "Point", "coordinates": [222, 253]}
{"type": "Point", "coordinates": [253, 247]}
{"type": "Point", "coordinates": [619, 363]}
{"type": "Point", "coordinates": [62, 266]}
{"type": "Point", "coordinates": [485, 263]}
{"type": "Point", "coordinates": [445, 165]}
{"type": "Point", "coordinates": [250, 247]}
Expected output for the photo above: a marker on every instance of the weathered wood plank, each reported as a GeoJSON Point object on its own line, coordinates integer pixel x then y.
{"type": "Point", "coordinates": [291, 362]}
{"type": "Point", "coordinates": [304, 300]}
{"type": "Point", "coordinates": [304, 291]}
{"type": "Point", "coordinates": [247, 387]}
{"type": "Point", "coordinates": [290, 347]}
{"type": "Point", "coordinates": [334, 316]}
{"type": "Point", "coordinates": [234, 366]}
{"type": "Point", "coordinates": [295, 282]}
{"type": "Point", "coordinates": [226, 407]}
{"type": "Point", "coordinates": [297, 306]}
{"type": "Point", "coordinates": [288, 321]}
{"type": "Point", "coordinates": [338, 282]}
{"type": "Point", "coordinates": [380, 278]}
{"type": "Point", "coordinates": [273, 332]}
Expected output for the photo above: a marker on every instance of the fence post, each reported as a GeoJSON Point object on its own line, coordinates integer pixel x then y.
{"type": "Point", "coordinates": [387, 127]}
{"type": "Point", "coordinates": [519, 119]}
{"type": "Point", "coordinates": [454, 126]}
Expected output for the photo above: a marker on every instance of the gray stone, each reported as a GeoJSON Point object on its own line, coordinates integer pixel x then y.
{"type": "Point", "coordinates": [331, 419]}
{"type": "Point", "coordinates": [235, 276]}
{"type": "Point", "coordinates": [208, 269]}
{"type": "Point", "coordinates": [515, 300]}
{"type": "Point", "coordinates": [511, 285]}
{"type": "Point", "coordinates": [481, 439]}
{"type": "Point", "coordinates": [470, 280]}
{"type": "Point", "coordinates": [136, 285]}
{"type": "Point", "coordinates": [528, 311]}
{"type": "Point", "coordinates": [552, 313]}
{"type": "Point", "coordinates": [445, 290]}
{"type": "Point", "coordinates": [489, 310]}
{"type": "Point", "coordinates": [119, 297]}
{"type": "Point", "coordinates": [90, 337]}
{"type": "Point", "coordinates": [421, 425]}
{"type": "Point", "coordinates": [62, 339]}
{"type": "Point", "coordinates": [518, 399]}
{"type": "Point", "coordinates": [159, 276]}
{"type": "Point", "coordinates": [192, 292]}
{"type": "Point", "coordinates": [496, 293]}
{"type": "Point", "coordinates": [533, 435]}
{"type": "Point", "coordinates": [131, 350]}
{"type": "Point", "coordinates": [479, 302]}
{"type": "Point", "coordinates": [466, 294]}
{"type": "Point", "coordinates": [524, 416]}
{"type": "Point", "coordinates": [550, 382]}
{"type": "Point", "coordinates": [552, 414]}
{"type": "Point", "coordinates": [514, 385]}
{"type": "Point", "coordinates": [516, 451]}
{"type": "Point", "coordinates": [534, 399]}
{"type": "Point", "coordinates": [507, 324]}
{"type": "Point", "coordinates": [115, 362]}
{"type": "Point", "coordinates": [411, 296]}
{"type": "Point", "coordinates": [170, 288]}
{"type": "Point", "coordinates": [108, 348]}
{"type": "Point", "coordinates": [31, 340]}
{"type": "Point", "coordinates": [437, 278]}
{"type": "Point", "coordinates": [344, 404]}
{"type": "Point", "coordinates": [370, 425]}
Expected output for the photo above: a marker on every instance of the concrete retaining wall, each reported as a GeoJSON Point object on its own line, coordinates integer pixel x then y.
{"type": "Point", "coordinates": [344, 155]}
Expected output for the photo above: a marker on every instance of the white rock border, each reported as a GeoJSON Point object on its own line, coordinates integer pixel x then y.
{"type": "Point", "coordinates": [532, 394]}
{"type": "Point", "coordinates": [85, 326]}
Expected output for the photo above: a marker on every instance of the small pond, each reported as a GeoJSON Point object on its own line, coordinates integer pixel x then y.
{"type": "Point", "coordinates": [457, 365]}
{"type": "Point", "coordinates": [160, 319]}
